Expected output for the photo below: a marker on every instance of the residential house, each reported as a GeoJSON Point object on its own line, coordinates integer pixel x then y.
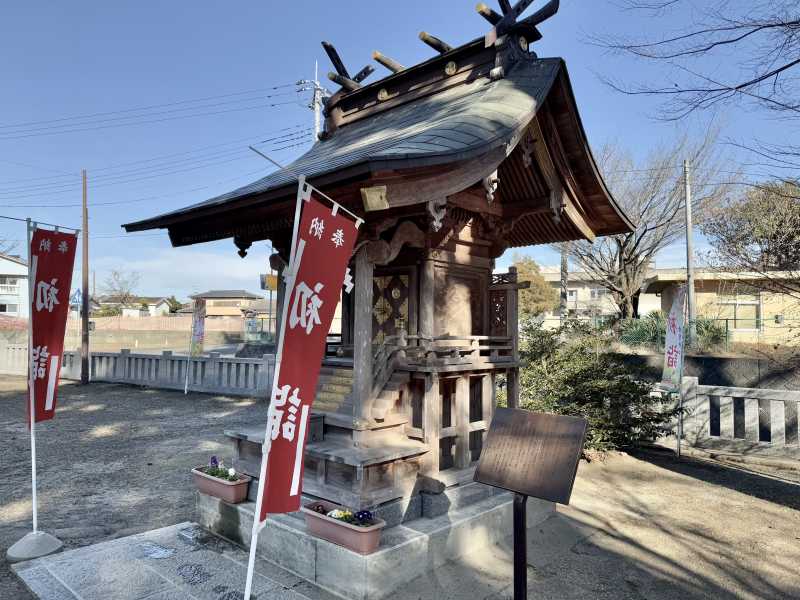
{"type": "Point", "coordinates": [13, 286]}
{"type": "Point", "coordinates": [140, 306]}
{"type": "Point", "coordinates": [227, 303]}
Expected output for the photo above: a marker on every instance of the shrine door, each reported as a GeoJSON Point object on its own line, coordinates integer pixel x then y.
{"type": "Point", "coordinates": [390, 305]}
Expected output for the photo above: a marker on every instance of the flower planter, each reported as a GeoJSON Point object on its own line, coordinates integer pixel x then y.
{"type": "Point", "coordinates": [232, 492]}
{"type": "Point", "coordinates": [363, 540]}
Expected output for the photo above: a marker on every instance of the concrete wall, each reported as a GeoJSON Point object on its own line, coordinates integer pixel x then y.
{"type": "Point", "coordinates": [724, 371]}
{"type": "Point", "coordinates": [148, 341]}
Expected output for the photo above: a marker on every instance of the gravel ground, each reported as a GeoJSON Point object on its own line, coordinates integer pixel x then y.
{"type": "Point", "coordinates": [116, 461]}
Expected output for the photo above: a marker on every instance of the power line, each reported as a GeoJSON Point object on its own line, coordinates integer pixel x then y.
{"type": "Point", "coordinates": [149, 172]}
{"type": "Point", "coordinates": [150, 107]}
{"type": "Point", "coordinates": [205, 114]}
{"type": "Point", "coordinates": [144, 199]}
{"type": "Point", "coordinates": [145, 115]}
{"type": "Point", "coordinates": [288, 130]}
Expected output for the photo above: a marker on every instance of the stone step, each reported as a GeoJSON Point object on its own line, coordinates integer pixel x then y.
{"type": "Point", "coordinates": [330, 396]}
{"type": "Point", "coordinates": [336, 388]}
{"type": "Point", "coordinates": [336, 380]}
{"type": "Point", "coordinates": [453, 498]}
{"type": "Point", "coordinates": [336, 372]}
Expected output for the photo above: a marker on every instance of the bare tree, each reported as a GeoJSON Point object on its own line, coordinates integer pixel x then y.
{"type": "Point", "coordinates": [746, 53]}
{"type": "Point", "coordinates": [759, 41]}
{"type": "Point", "coordinates": [651, 194]}
{"type": "Point", "coordinates": [121, 285]}
{"type": "Point", "coordinates": [758, 233]}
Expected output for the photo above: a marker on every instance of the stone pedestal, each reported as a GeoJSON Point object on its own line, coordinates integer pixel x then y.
{"type": "Point", "coordinates": [461, 522]}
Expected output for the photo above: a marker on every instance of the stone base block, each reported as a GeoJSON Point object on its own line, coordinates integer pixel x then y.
{"type": "Point", "coordinates": [406, 551]}
{"type": "Point", "coordinates": [455, 497]}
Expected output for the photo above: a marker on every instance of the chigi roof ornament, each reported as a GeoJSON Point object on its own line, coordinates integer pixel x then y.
{"type": "Point", "coordinates": [510, 36]}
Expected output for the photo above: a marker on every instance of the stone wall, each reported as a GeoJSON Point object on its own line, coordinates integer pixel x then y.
{"type": "Point", "coordinates": [740, 372]}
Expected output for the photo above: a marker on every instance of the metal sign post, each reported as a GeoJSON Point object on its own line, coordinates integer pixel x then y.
{"type": "Point", "coordinates": [530, 454]}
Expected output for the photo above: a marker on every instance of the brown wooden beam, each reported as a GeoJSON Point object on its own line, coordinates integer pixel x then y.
{"type": "Point", "coordinates": [487, 13]}
{"type": "Point", "coordinates": [345, 82]}
{"type": "Point", "coordinates": [544, 13]}
{"type": "Point", "coordinates": [434, 42]}
{"type": "Point", "coordinates": [336, 61]}
{"type": "Point", "coordinates": [391, 64]}
{"type": "Point", "coordinates": [363, 73]}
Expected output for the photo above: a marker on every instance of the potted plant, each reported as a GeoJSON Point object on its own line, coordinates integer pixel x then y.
{"type": "Point", "coordinates": [357, 531]}
{"type": "Point", "coordinates": [221, 482]}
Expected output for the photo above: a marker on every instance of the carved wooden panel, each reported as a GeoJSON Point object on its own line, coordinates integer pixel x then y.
{"type": "Point", "coordinates": [498, 312]}
{"type": "Point", "coordinates": [390, 296]}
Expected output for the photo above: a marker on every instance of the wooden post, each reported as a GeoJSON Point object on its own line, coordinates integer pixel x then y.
{"type": "Point", "coordinates": [512, 387]}
{"type": "Point", "coordinates": [362, 335]}
{"type": "Point", "coordinates": [432, 422]}
{"type": "Point", "coordinates": [462, 458]}
{"type": "Point", "coordinates": [487, 397]}
{"type": "Point", "coordinates": [426, 298]}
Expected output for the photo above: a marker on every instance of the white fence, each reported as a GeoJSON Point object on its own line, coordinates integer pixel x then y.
{"type": "Point", "coordinates": [747, 419]}
{"type": "Point", "coordinates": [212, 373]}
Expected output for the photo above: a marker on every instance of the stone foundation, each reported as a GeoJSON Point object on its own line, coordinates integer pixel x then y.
{"type": "Point", "coordinates": [462, 522]}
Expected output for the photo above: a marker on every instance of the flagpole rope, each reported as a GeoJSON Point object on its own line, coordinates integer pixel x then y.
{"type": "Point", "coordinates": [359, 220]}
{"type": "Point", "coordinates": [75, 229]}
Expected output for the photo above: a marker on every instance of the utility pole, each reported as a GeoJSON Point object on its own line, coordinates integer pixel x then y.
{"type": "Point", "coordinates": [687, 192]}
{"type": "Point", "coordinates": [85, 290]}
{"type": "Point", "coordinates": [319, 94]}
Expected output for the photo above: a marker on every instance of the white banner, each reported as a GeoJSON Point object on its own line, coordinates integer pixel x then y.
{"type": "Point", "coordinates": [673, 344]}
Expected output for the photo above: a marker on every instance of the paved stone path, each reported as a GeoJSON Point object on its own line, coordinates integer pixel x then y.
{"type": "Point", "coordinates": [639, 527]}
{"type": "Point", "coordinates": [114, 462]}
{"type": "Point", "coordinates": [181, 562]}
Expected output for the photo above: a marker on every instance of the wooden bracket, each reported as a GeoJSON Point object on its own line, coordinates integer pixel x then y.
{"type": "Point", "coordinates": [437, 208]}
{"type": "Point", "coordinates": [490, 184]}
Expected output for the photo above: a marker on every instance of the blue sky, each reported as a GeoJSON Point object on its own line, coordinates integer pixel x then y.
{"type": "Point", "coordinates": [68, 59]}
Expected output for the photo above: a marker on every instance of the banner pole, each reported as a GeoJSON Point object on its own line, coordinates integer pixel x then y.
{"type": "Point", "coordinates": [31, 388]}
{"type": "Point", "coordinates": [290, 277]}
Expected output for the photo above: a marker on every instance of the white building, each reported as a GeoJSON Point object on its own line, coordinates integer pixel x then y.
{"type": "Point", "coordinates": [587, 298]}
{"type": "Point", "coordinates": [13, 286]}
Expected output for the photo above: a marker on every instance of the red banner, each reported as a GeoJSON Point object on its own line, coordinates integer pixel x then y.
{"type": "Point", "coordinates": [322, 249]}
{"type": "Point", "coordinates": [52, 257]}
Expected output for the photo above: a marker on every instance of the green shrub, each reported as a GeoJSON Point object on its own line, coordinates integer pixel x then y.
{"type": "Point", "coordinates": [651, 329]}
{"type": "Point", "coordinates": [569, 371]}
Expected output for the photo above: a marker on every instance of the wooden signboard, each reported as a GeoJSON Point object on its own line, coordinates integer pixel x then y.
{"type": "Point", "coordinates": [530, 454]}
{"type": "Point", "coordinates": [534, 454]}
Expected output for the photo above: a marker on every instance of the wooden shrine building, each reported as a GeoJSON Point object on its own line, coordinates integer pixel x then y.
{"type": "Point", "coordinates": [450, 162]}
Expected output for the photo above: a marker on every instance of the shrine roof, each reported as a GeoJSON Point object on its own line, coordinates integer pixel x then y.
{"type": "Point", "coordinates": [459, 123]}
